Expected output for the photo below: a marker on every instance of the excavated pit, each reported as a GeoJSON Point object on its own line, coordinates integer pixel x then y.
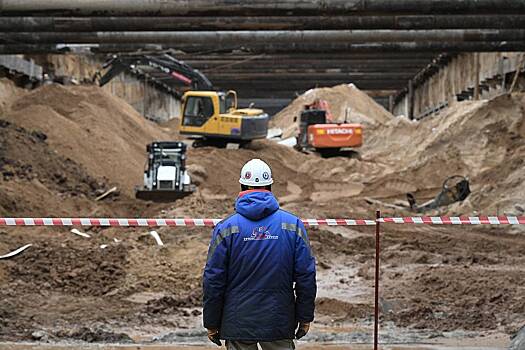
{"type": "Point", "coordinates": [63, 146]}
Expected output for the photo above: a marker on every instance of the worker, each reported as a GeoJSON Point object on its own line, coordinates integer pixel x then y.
{"type": "Point", "coordinates": [255, 257]}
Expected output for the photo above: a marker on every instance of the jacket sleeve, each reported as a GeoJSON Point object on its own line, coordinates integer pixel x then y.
{"type": "Point", "coordinates": [214, 280]}
{"type": "Point", "coordinates": [304, 277]}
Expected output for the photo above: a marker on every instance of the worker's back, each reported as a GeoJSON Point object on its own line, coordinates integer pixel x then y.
{"type": "Point", "coordinates": [255, 257]}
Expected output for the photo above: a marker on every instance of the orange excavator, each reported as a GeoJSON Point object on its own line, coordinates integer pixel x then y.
{"type": "Point", "coordinates": [318, 132]}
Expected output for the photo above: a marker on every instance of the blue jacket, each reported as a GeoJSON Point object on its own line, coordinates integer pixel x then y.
{"type": "Point", "coordinates": [255, 256]}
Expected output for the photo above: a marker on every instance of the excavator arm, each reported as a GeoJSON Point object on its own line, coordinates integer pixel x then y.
{"type": "Point", "coordinates": [163, 65]}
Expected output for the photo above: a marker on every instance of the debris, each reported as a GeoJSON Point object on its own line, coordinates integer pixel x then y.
{"type": "Point", "coordinates": [15, 252]}
{"type": "Point", "coordinates": [155, 235]}
{"type": "Point", "coordinates": [41, 336]}
{"type": "Point", "coordinates": [77, 232]}
{"type": "Point", "coordinates": [386, 205]}
{"type": "Point", "coordinates": [455, 188]}
{"type": "Point", "coordinates": [107, 193]}
{"type": "Point", "coordinates": [231, 145]}
{"type": "Point", "coordinates": [103, 246]}
{"type": "Point", "coordinates": [289, 142]}
{"type": "Point", "coordinates": [518, 340]}
{"type": "Point", "coordinates": [274, 133]}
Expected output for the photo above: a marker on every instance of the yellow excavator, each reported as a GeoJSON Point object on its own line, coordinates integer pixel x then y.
{"type": "Point", "coordinates": [209, 117]}
{"type": "Point", "coordinates": [213, 119]}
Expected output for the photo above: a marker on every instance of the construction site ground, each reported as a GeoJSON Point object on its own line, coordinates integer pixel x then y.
{"type": "Point", "coordinates": [441, 286]}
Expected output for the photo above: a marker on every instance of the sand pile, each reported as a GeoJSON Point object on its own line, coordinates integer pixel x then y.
{"type": "Point", "coordinates": [35, 180]}
{"type": "Point", "coordinates": [8, 93]}
{"type": "Point", "coordinates": [362, 108]}
{"type": "Point", "coordinates": [480, 139]}
{"type": "Point", "coordinates": [84, 123]}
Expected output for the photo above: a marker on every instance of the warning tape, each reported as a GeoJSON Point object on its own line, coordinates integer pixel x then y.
{"type": "Point", "coordinates": [458, 220]}
{"type": "Point", "coordinates": [120, 222]}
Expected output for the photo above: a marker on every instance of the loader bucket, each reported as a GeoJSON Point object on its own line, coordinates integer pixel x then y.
{"type": "Point", "coordinates": [161, 195]}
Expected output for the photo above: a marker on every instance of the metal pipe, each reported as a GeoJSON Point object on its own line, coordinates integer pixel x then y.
{"type": "Point", "coordinates": [313, 68]}
{"type": "Point", "coordinates": [263, 37]}
{"type": "Point", "coordinates": [258, 7]}
{"type": "Point", "coordinates": [376, 278]}
{"type": "Point", "coordinates": [406, 49]}
{"type": "Point", "coordinates": [309, 76]}
{"type": "Point", "coordinates": [301, 64]}
{"type": "Point", "coordinates": [271, 86]}
{"type": "Point", "coordinates": [392, 56]}
{"type": "Point", "coordinates": [403, 49]}
{"type": "Point", "coordinates": [26, 49]}
{"type": "Point", "coordinates": [214, 23]}
{"type": "Point", "coordinates": [371, 70]}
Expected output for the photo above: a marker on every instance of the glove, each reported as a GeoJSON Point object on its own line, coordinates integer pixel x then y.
{"type": "Point", "coordinates": [302, 330]}
{"type": "Point", "coordinates": [213, 336]}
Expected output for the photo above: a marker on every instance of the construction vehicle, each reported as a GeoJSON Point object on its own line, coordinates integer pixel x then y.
{"type": "Point", "coordinates": [165, 176]}
{"type": "Point", "coordinates": [212, 118]}
{"type": "Point", "coordinates": [318, 132]}
{"type": "Point", "coordinates": [209, 117]}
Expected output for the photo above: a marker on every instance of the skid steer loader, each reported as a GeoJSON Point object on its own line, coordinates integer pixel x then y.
{"type": "Point", "coordinates": [165, 176]}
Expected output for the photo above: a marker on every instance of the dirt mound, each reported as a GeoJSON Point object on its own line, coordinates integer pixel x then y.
{"type": "Point", "coordinates": [483, 140]}
{"type": "Point", "coordinates": [95, 129]}
{"type": "Point", "coordinates": [340, 310]}
{"type": "Point", "coordinates": [475, 292]}
{"type": "Point", "coordinates": [362, 108]}
{"type": "Point", "coordinates": [76, 271]}
{"type": "Point", "coordinates": [38, 181]}
{"type": "Point", "coordinates": [8, 93]}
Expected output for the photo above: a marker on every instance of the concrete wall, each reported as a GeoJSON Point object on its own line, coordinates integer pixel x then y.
{"type": "Point", "coordinates": [19, 65]}
{"type": "Point", "coordinates": [458, 76]}
{"type": "Point", "coordinates": [152, 103]}
{"type": "Point", "coordinates": [145, 98]}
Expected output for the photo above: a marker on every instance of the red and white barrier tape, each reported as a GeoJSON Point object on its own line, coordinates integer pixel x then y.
{"type": "Point", "coordinates": [120, 222]}
{"type": "Point", "coordinates": [458, 220]}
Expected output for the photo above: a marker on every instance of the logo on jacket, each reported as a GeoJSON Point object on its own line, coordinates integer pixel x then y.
{"type": "Point", "coordinates": [260, 233]}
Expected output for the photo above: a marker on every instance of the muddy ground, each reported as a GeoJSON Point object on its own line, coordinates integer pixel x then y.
{"type": "Point", "coordinates": [438, 282]}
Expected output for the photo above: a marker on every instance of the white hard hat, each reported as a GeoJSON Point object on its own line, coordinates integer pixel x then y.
{"type": "Point", "coordinates": [256, 173]}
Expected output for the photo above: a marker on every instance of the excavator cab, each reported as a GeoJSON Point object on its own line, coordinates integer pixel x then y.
{"type": "Point", "coordinates": [230, 101]}
{"type": "Point", "coordinates": [213, 119]}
